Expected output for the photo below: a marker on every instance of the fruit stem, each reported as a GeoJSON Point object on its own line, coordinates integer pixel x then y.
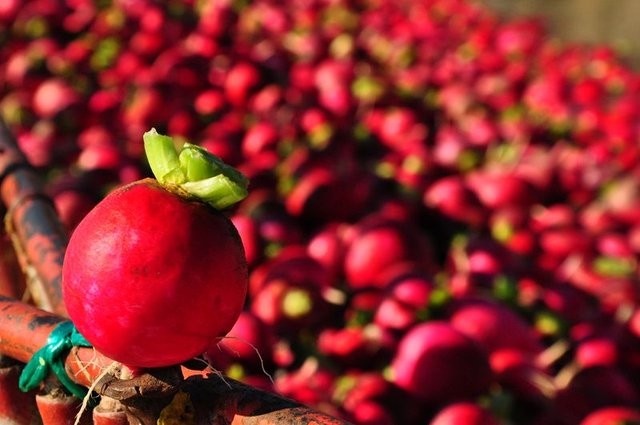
{"type": "Point", "coordinates": [193, 172]}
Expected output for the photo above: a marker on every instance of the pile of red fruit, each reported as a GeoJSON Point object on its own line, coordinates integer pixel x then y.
{"type": "Point", "coordinates": [443, 223]}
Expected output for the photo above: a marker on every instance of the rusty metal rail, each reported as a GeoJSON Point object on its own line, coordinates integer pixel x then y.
{"type": "Point", "coordinates": [37, 234]}
{"type": "Point", "coordinates": [172, 395]}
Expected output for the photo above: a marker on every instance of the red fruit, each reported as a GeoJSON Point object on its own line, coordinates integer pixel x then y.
{"type": "Point", "coordinates": [71, 206]}
{"type": "Point", "coordinates": [494, 326]}
{"type": "Point", "coordinates": [559, 243]}
{"type": "Point", "coordinates": [293, 266]}
{"type": "Point", "coordinates": [104, 100]}
{"type": "Point", "coordinates": [181, 123]}
{"type": "Point", "coordinates": [355, 388]}
{"type": "Point", "coordinates": [151, 278]}
{"type": "Point", "coordinates": [53, 96]}
{"type": "Point", "coordinates": [363, 303]}
{"type": "Point", "coordinates": [289, 307]}
{"type": "Point", "coordinates": [267, 99]}
{"type": "Point", "coordinates": [38, 144]}
{"type": "Point", "coordinates": [372, 412]}
{"type": "Point", "coordinates": [8, 10]}
{"type": "Point", "coordinates": [349, 346]}
{"type": "Point", "coordinates": [381, 243]}
{"type": "Point", "coordinates": [615, 245]}
{"type": "Point", "coordinates": [466, 413]}
{"type": "Point", "coordinates": [406, 298]}
{"type": "Point", "coordinates": [517, 372]}
{"type": "Point", "coordinates": [16, 68]}
{"type": "Point", "coordinates": [302, 76]}
{"type": "Point", "coordinates": [503, 222]}
{"type": "Point", "coordinates": [322, 194]}
{"type": "Point", "coordinates": [455, 99]}
{"type": "Point", "coordinates": [588, 92]}
{"type": "Point", "coordinates": [570, 303]}
{"type": "Point", "coordinates": [480, 130]}
{"type": "Point", "coordinates": [310, 384]}
{"type": "Point", "coordinates": [240, 81]}
{"type": "Point", "coordinates": [96, 157]}
{"type": "Point", "coordinates": [401, 131]}
{"type": "Point", "coordinates": [452, 149]}
{"type": "Point", "coordinates": [143, 106]}
{"type": "Point", "coordinates": [248, 342]}
{"type": "Point", "coordinates": [153, 19]}
{"type": "Point", "coordinates": [597, 351]}
{"type": "Point", "coordinates": [453, 198]}
{"type": "Point", "coordinates": [634, 323]}
{"type": "Point", "coordinates": [552, 217]}
{"type": "Point", "coordinates": [327, 247]}
{"type": "Point", "coordinates": [336, 99]}
{"type": "Point", "coordinates": [593, 388]}
{"type": "Point", "coordinates": [331, 74]}
{"type": "Point", "coordinates": [248, 231]}
{"type": "Point", "coordinates": [481, 259]}
{"type": "Point", "coordinates": [313, 119]}
{"type": "Point", "coordinates": [496, 90]}
{"type": "Point", "coordinates": [209, 102]}
{"type": "Point", "coordinates": [437, 363]}
{"type": "Point", "coordinates": [499, 189]}
{"type": "Point", "coordinates": [128, 63]}
{"type": "Point", "coordinates": [95, 135]}
{"type": "Point", "coordinates": [215, 19]}
{"type": "Point", "coordinates": [261, 137]}
{"type": "Point", "coordinates": [521, 37]}
{"type": "Point", "coordinates": [147, 43]}
{"type": "Point", "coordinates": [367, 397]}
{"type": "Point", "coordinates": [165, 292]}
{"type": "Point", "coordinates": [613, 416]}
{"type": "Point", "coordinates": [522, 242]}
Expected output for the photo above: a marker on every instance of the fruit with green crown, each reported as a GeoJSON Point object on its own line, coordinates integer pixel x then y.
{"type": "Point", "coordinates": [156, 271]}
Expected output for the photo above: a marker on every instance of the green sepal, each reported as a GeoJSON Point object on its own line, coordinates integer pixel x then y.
{"type": "Point", "coordinates": [198, 163]}
{"type": "Point", "coordinates": [194, 172]}
{"type": "Point", "coordinates": [163, 158]}
{"type": "Point", "coordinates": [218, 191]}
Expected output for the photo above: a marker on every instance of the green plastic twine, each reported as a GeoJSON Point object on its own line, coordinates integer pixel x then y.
{"type": "Point", "coordinates": [51, 357]}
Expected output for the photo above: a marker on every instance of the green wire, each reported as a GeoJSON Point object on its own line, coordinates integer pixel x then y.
{"type": "Point", "coordinates": [51, 358]}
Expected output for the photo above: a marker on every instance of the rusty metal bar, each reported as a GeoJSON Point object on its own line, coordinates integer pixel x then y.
{"type": "Point", "coordinates": [24, 329]}
{"type": "Point", "coordinates": [56, 409]}
{"type": "Point", "coordinates": [109, 412]}
{"type": "Point", "coordinates": [11, 277]}
{"type": "Point", "coordinates": [16, 407]}
{"type": "Point", "coordinates": [31, 220]}
{"type": "Point", "coordinates": [231, 402]}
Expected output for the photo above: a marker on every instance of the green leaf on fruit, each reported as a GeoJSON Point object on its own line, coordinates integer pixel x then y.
{"type": "Point", "coordinates": [193, 171]}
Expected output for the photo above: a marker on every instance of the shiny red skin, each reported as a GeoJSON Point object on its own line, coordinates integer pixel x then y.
{"type": "Point", "coordinates": [454, 366]}
{"type": "Point", "coordinates": [494, 326]}
{"type": "Point", "coordinates": [151, 279]}
{"type": "Point", "coordinates": [467, 413]}
{"type": "Point", "coordinates": [612, 415]}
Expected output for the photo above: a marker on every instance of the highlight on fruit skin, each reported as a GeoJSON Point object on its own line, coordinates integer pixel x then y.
{"type": "Point", "coordinates": [156, 271]}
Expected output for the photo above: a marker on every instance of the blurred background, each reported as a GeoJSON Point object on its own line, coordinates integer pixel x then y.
{"type": "Point", "coordinates": [416, 167]}
{"type": "Point", "coordinates": [584, 21]}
